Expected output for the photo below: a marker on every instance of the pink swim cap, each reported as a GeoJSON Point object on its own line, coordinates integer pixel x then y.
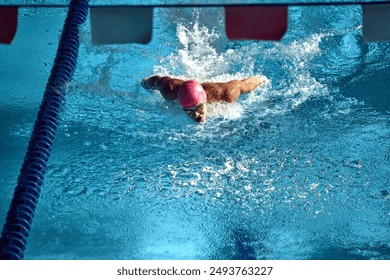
{"type": "Point", "coordinates": [191, 93]}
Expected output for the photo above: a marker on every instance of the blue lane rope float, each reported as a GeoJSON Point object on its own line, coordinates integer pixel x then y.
{"type": "Point", "coordinates": [21, 212]}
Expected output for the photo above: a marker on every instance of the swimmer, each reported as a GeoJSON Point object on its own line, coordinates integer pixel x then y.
{"type": "Point", "coordinates": [194, 96]}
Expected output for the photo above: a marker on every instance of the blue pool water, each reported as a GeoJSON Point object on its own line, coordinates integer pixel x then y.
{"type": "Point", "coordinates": [298, 169]}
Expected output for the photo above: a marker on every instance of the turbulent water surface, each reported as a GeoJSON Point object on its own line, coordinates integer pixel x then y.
{"type": "Point", "coordinates": [297, 169]}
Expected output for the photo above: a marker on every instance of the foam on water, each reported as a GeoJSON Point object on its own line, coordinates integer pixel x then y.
{"type": "Point", "coordinates": [197, 58]}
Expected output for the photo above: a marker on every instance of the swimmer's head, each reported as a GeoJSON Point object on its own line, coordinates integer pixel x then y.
{"type": "Point", "coordinates": [192, 98]}
{"type": "Point", "coordinates": [197, 113]}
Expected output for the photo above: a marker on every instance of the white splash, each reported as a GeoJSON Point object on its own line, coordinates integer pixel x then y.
{"type": "Point", "coordinates": [197, 58]}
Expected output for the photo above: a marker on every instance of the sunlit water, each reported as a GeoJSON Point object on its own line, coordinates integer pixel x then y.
{"type": "Point", "coordinates": [298, 169]}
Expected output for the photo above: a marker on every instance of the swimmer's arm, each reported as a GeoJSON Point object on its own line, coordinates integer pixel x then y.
{"type": "Point", "coordinates": [150, 83]}
{"type": "Point", "coordinates": [168, 87]}
{"type": "Point", "coordinates": [249, 84]}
